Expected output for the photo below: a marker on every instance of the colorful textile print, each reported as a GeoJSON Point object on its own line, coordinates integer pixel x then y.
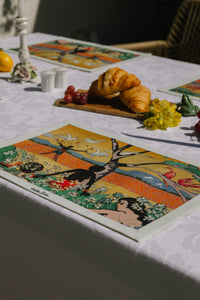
{"type": "Point", "coordinates": [79, 54]}
{"type": "Point", "coordinates": [119, 181]}
{"type": "Point", "coordinates": [191, 88]}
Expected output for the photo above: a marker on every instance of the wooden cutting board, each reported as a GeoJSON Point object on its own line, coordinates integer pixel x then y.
{"type": "Point", "coordinates": [111, 106]}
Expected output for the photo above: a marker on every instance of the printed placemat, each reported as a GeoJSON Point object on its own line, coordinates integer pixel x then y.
{"type": "Point", "coordinates": [190, 87]}
{"type": "Point", "coordinates": [81, 55]}
{"type": "Point", "coordinates": [122, 186]}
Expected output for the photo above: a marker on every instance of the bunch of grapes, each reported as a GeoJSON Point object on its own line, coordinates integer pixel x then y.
{"type": "Point", "coordinates": [73, 96]}
{"type": "Point", "coordinates": [197, 125]}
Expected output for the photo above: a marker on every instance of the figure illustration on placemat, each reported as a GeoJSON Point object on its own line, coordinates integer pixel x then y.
{"type": "Point", "coordinates": [116, 180]}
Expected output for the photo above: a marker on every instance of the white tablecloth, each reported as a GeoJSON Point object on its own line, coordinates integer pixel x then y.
{"type": "Point", "coordinates": [48, 252]}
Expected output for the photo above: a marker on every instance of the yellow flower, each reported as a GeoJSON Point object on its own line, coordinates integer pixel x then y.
{"type": "Point", "coordinates": [162, 115]}
{"type": "Point", "coordinates": [151, 123]}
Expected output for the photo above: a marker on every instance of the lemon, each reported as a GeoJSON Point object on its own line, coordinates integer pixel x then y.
{"type": "Point", "coordinates": [6, 62]}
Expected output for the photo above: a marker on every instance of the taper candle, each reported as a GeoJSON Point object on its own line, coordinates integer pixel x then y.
{"type": "Point", "coordinates": [21, 8]}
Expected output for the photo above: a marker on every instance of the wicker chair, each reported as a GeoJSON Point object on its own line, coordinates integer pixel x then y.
{"type": "Point", "coordinates": [183, 40]}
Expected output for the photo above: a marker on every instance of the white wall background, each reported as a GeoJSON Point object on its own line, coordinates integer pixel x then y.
{"type": "Point", "coordinates": [8, 13]}
{"type": "Point", "coordinates": [105, 21]}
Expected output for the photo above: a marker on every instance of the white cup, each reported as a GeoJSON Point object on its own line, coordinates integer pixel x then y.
{"type": "Point", "coordinates": [47, 81]}
{"type": "Point", "coordinates": [60, 77]}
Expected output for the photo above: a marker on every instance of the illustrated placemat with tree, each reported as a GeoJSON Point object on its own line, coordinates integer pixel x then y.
{"type": "Point", "coordinates": [190, 87]}
{"type": "Point", "coordinates": [81, 55]}
{"type": "Point", "coordinates": [127, 188]}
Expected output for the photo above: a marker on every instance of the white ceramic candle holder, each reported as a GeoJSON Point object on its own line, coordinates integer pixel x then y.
{"type": "Point", "coordinates": [21, 25]}
{"type": "Point", "coordinates": [23, 71]}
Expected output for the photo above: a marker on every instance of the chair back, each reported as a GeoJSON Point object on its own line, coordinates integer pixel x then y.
{"type": "Point", "coordinates": [184, 36]}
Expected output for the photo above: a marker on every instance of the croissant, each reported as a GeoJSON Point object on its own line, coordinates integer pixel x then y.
{"type": "Point", "coordinates": [112, 81]}
{"type": "Point", "coordinates": [137, 99]}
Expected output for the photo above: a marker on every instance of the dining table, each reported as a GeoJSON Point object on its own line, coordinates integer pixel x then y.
{"type": "Point", "coordinates": [50, 252]}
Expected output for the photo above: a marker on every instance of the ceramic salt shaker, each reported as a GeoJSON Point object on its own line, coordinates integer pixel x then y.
{"type": "Point", "coordinates": [47, 81]}
{"type": "Point", "coordinates": [60, 77]}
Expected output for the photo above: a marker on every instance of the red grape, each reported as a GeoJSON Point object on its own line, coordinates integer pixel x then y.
{"type": "Point", "coordinates": [198, 114]}
{"type": "Point", "coordinates": [77, 96]}
{"type": "Point", "coordinates": [68, 98]}
{"type": "Point", "coordinates": [70, 89]}
{"type": "Point", "coordinates": [85, 94]}
{"type": "Point", "coordinates": [197, 127]}
{"type": "Point", "coordinates": [83, 99]}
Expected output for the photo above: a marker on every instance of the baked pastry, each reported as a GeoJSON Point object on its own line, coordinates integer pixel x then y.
{"type": "Point", "coordinates": [137, 99]}
{"type": "Point", "coordinates": [112, 81]}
